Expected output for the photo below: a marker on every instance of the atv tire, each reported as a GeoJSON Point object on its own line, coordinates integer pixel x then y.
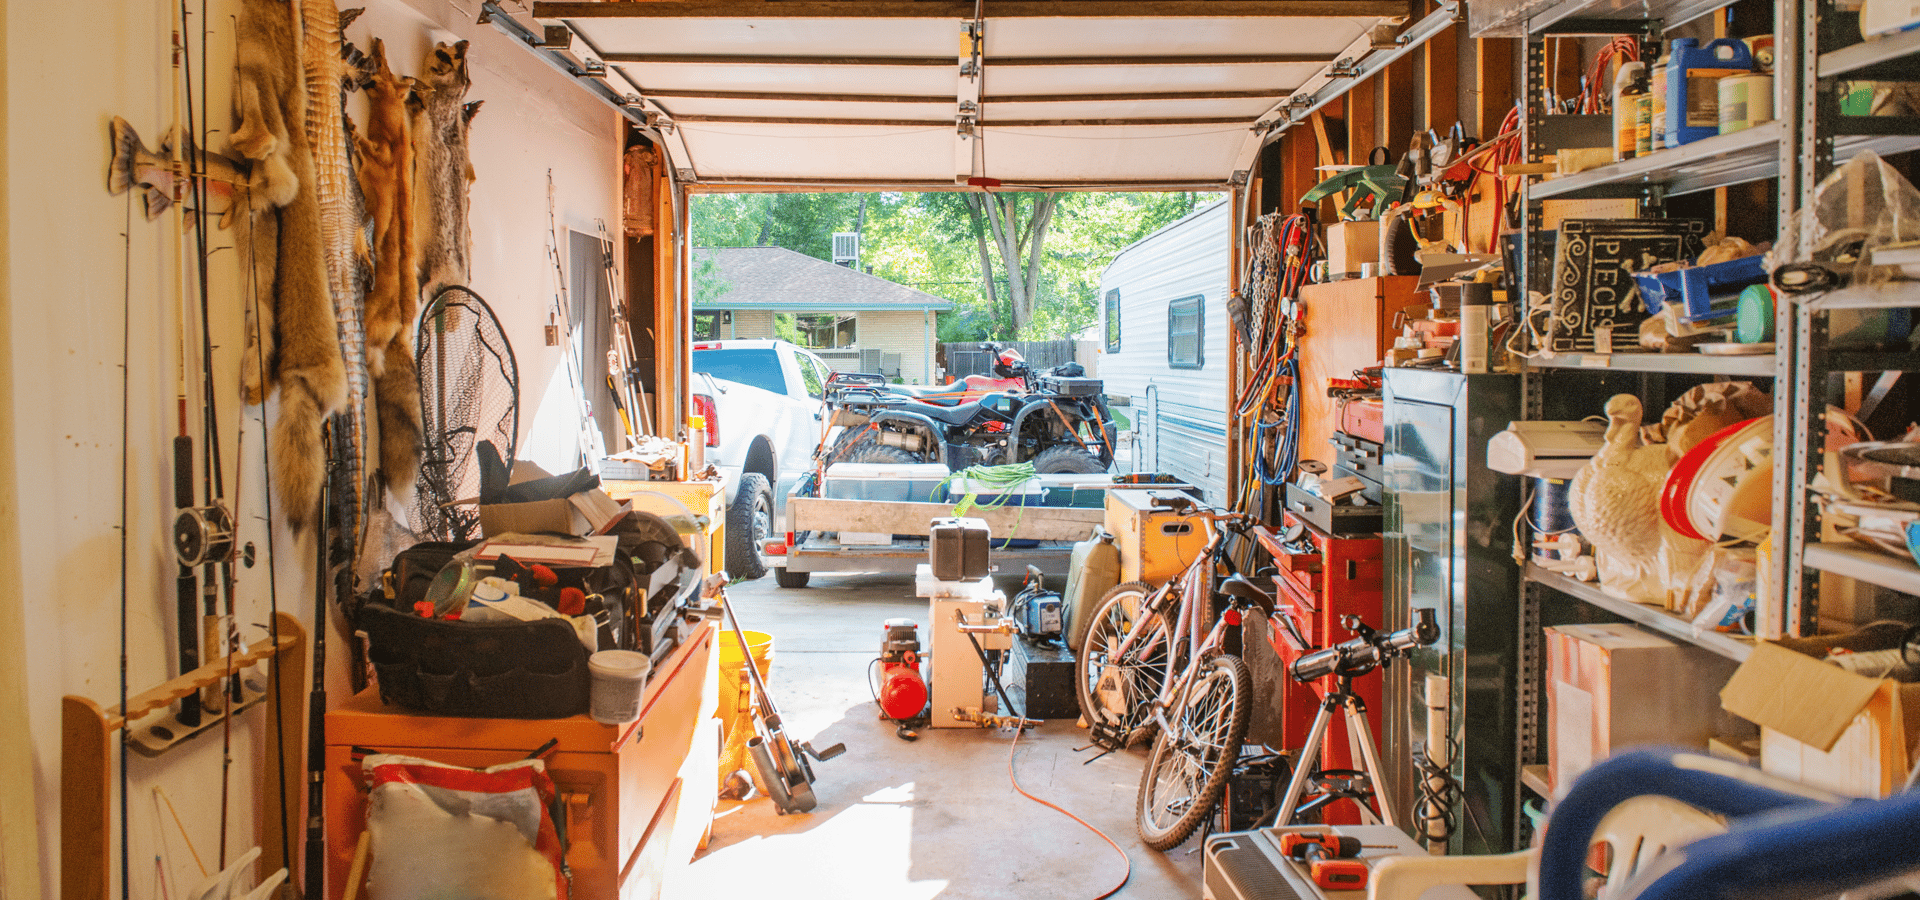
{"type": "Point", "coordinates": [1067, 460]}
{"type": "Point", "coordinates": [876, 452]}
{"type": "Point", "coordinates": [749, 524]}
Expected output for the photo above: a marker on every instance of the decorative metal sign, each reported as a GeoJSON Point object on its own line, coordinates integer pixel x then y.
{"type": "Point", "coordinates": [1593, 263]}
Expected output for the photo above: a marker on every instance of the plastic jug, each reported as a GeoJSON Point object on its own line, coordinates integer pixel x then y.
{"type": "Point", "coordinates": [1693, 85]}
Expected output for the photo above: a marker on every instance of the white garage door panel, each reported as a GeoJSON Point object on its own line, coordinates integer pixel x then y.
{"type": "Point", "coordinates": [760, 151]}
{"type": "Point", "coordinates": [1114, 72]}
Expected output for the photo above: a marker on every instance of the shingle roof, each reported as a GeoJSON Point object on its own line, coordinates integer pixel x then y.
{"type": "Point", "coordinates": [778, 278]}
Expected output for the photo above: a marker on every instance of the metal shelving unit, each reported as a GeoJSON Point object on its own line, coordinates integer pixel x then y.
{"type": "Point", "coordinates": [1855, 561]}
{"type": "Point", "coordinates": [1650, 617]}
{"type": "Point", "coordinates": [1521, 19]}
{"type": "Point", "coordinates": [1719, 161]}
{"type": "Point", "coordinates": [1758, 366]}
{"type": "Point", "coordinates": [1857, 59]}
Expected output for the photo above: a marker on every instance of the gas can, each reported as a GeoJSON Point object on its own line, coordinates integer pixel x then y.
{"type": "Point", "coordinates": [1092, 571]}
{"type": "Point", "coordinates": [1693, 85]}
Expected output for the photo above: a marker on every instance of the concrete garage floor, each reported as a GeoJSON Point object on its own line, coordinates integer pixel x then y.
{"type": "Point", "coordinates": [932, 818]}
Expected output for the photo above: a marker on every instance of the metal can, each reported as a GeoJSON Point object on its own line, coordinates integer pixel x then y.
{"type": "Point", "coordinates": [1745, 101]}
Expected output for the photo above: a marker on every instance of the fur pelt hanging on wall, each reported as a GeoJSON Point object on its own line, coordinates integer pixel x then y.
{"type": "Point", "coordinates": [443, 171]}
{"type": "Point", "coordinates": [387, 181]}
{"type": "Point", "coordinates": [297, 347]}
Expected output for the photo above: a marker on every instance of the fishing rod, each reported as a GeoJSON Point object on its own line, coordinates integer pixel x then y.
{"type": "Point", "coordinates": [126, 453]}
{"type": "Point", "coordinates": [326, 538]}
{"type": "Point", "coordinates": [203, 535]}
{"type": "Point", "coordinates": [622, 374]}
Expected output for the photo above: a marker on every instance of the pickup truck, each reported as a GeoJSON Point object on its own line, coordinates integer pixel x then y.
{"type": "Point", "coordinates": [764, 410]}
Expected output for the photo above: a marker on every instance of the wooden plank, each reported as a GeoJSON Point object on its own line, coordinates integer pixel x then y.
{"type": "Point", "coordinates": [1040, 523]}
{"type": "Point", "coordinates": [85, 761]}
{"type": "Point", "coordinates": [286, 728]}
{"type": "Point", "coordinates": [1440, 58]}
{"type": "Point", "coordinates": [1492, 90]}
{"type": "Point", "coordinates": [1396, 104]}
{"type": "Point", "coordinates": [948, 9]}
{"type": "Point", "coordinates": [1362, 125]}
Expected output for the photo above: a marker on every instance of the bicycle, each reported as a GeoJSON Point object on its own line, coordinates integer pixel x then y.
{"type": "Point", "coordinates": [1149, 662]}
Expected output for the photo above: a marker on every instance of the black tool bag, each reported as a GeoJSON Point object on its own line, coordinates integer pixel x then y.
{"type": "Point", "coordinates": [505, 670]}
{"type": "Point", "coordinates": [523, 670]}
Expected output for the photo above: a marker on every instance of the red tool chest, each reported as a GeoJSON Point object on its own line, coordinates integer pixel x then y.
{"type": "Point", "coordinates": [1339, 576]}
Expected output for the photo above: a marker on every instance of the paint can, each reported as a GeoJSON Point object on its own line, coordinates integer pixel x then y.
{"type": "Point", "coordinates": [1745, 101]}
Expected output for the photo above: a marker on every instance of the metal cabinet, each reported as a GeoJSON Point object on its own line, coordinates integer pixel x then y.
{"type": "Point", "coordinates": [1448, 547]}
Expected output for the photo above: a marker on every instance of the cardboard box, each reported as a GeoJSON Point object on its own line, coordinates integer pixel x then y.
{"type": "Point", "coordinates": [584, 512]}
{"type": "Point", "coordinates": [1612, 687]}
{"type": "Point", "coordinates": [1824, 726]}
{"type": "Point", "coordinates": [1349, 244]}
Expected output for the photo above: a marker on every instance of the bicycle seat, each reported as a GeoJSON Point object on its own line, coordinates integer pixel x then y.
{"type": "Point", "coordinates": [1240, 588]}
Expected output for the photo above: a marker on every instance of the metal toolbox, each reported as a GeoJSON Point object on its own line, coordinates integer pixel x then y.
{"type": "Point", "coordinates": [1073, 387]}
{"type": "Point", "coordinates": [1332, 518]}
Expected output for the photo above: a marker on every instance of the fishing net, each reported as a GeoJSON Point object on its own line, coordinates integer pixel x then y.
{"type": "Point", "coordinates": [469, 393]}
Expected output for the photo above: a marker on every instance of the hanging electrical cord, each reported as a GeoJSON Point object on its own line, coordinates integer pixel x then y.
{"type": "Point", "coordinates": [1439, 793]}
{"type": "Point", "coordinates": [1266, 411]}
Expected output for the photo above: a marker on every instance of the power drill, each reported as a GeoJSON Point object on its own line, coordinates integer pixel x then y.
{"type": "Point", "coordinates": [1329, 858]}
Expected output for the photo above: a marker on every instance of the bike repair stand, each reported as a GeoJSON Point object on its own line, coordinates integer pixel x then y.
{"type": "Point", "coordinates": [1358, 733]}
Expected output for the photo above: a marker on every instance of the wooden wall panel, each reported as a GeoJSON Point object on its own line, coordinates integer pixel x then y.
{"type": "Point", "coordinates": [1493, 91]}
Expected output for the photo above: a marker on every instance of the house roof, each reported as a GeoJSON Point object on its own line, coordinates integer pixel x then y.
{"type": "Point", "coordinates": [778, 278]}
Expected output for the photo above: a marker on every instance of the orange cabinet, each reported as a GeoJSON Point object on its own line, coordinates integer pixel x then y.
{"type": "Point", "coordinates": [1345, 325]}
{"type": "Point", "coordinates": [639, 798]}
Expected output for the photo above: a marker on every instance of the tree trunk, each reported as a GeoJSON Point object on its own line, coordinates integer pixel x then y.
{"type": "Point", "coordinates": [1015, 239]}
{"type": "Point", "coordinates": [975, 208]}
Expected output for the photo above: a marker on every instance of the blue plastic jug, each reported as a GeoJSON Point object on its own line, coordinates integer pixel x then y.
{"type": "Point", "coordinates": [1693, 85]}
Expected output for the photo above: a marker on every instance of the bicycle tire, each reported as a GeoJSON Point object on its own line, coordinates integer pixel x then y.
{"type": "Point", "coordinates": [1112, 617]}
{"type": "Point", "coordinates": [1187, 771]}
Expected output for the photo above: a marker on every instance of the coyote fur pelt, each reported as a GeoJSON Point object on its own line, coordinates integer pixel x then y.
{"type": "Point", "coordinates": [299, 349]}
{"type": "Point", "coordinates": [443, 171]}
{"type": "Point", "coordinates": [386, 180]}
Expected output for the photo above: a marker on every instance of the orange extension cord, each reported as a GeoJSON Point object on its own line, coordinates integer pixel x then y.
{"type": "Point", "coordinates": [1126, 876]}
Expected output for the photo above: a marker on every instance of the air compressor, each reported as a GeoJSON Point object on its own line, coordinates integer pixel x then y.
{"type": "Point", "coordinates": [901, 691]}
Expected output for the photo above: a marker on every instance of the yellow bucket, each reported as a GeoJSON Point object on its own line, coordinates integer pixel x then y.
{"type": "Point", "coordinates": [735, 694]}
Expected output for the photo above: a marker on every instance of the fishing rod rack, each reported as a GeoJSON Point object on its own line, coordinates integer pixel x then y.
{"type": "Point", "coordinates": [86, 759]}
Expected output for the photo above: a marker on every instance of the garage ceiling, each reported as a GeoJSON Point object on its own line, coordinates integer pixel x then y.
{"type": "Point", "coordinates": [810, 94]}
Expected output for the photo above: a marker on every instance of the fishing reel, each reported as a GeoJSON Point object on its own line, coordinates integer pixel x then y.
{"type": "Point", "coordinates": [203, 535]}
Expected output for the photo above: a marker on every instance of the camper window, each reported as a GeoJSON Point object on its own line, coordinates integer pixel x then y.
{"type": "Point", "coordinates": [1186, 329]}
{"type": "Point", "coordinates": [1113, 320]}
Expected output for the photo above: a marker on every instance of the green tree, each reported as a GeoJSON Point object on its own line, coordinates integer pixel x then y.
{"type": "Point", "coordinates": [956, 245]}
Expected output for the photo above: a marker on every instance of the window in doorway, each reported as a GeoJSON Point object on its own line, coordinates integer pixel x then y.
{"type": "Point", "coordinates": [1186, 331]}
{"type": "Point", "coordinates": [1113, 320]}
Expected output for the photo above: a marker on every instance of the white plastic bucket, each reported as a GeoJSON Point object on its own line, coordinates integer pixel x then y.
{"type": "Point", "coordinates": [618, 677]}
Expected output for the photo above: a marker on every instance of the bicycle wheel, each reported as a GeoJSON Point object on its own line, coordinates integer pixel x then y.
{"type": "Point", "coordinates": [1113, 689]}
{"type": "Point", "coordinates": [1191, 759]}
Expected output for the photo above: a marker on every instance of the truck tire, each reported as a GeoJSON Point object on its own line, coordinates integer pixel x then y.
{"type": "Point", "coordinates": [749, 522]}
{"type": "Point", "coordinates": [1067, 460]}
{"type": "Point", "coordinates": [788, 578]}
{"type": "Point", "coordinates": [875, 452]}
